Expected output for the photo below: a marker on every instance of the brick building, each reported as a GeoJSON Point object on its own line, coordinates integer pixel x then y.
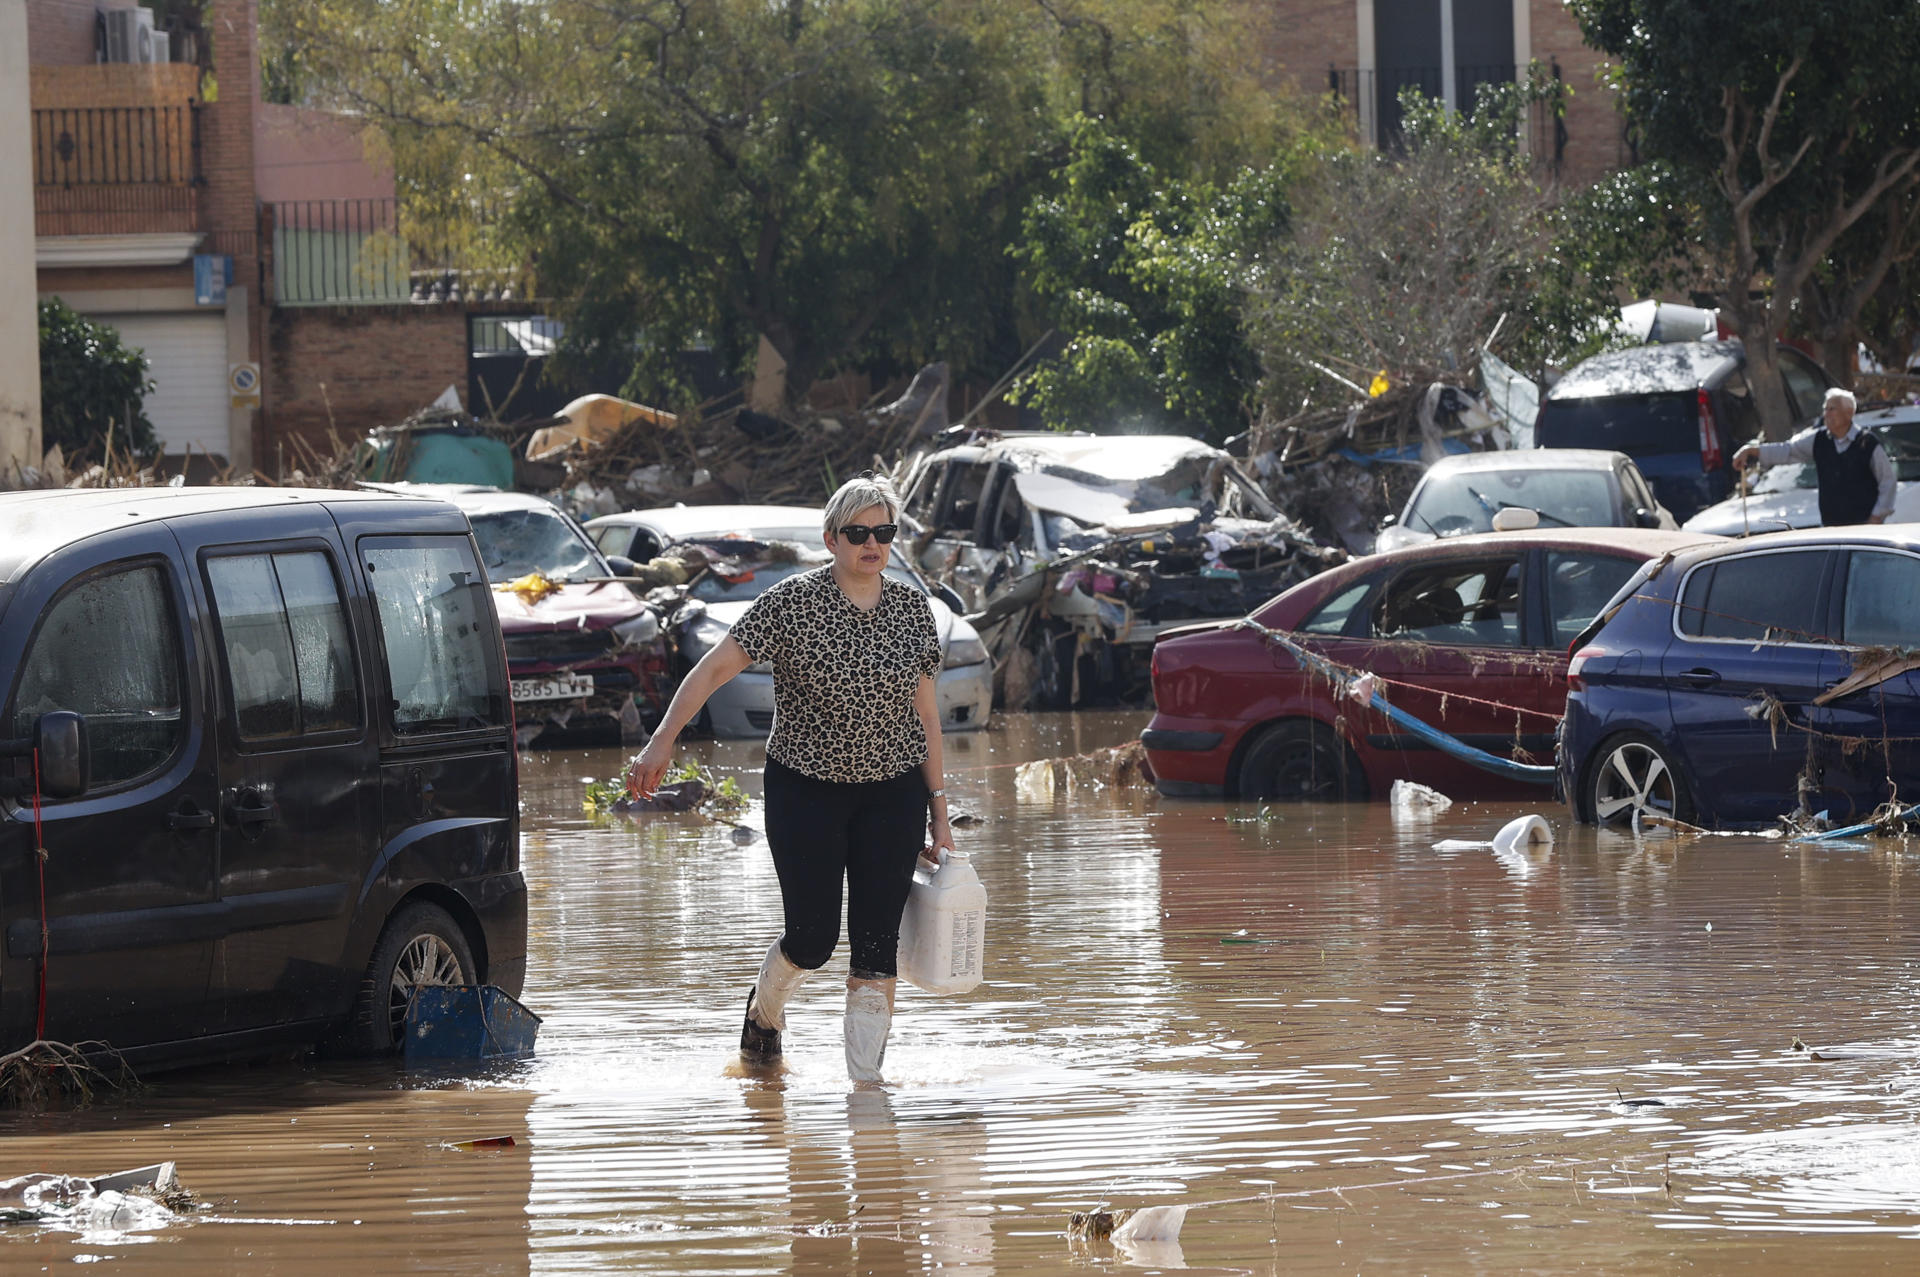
{"type": "Point", "coordinates": [1367, 50]}
{"type": "Point", "coordinates": [248, 248]}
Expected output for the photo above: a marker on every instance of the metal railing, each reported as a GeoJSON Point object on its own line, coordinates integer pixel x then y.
{"type": "Point", "coordinates": [1372, 98]}
{"type": "Point", "coordinates": [116, 146]}
{"type": "Point", "coordinates": [355, 253]}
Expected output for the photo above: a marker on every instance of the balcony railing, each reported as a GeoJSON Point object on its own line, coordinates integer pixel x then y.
{"type": "Point", "coordinates": [116, 169]}
{"type": "Point", "coordinates": [116, 146]}
{"type": "Point", "coordinates": [354, 253]}
{"type": "Point", "coordinates": [1372, 98]}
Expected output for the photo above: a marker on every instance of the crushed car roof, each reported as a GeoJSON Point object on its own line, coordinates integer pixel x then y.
{"type": "Point", "coordinates": [1109, 456]}
{"type": "Point", "coordinates": [1672, 368]}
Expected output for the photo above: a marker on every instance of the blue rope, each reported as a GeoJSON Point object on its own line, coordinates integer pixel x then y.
{"type": "Point", "coordinates": [1532, 773]}
{"type": "Point", "coordinates": [1869, 827]}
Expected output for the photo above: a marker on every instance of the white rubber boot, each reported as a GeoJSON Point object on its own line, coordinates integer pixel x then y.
{"type": "Point", "coordinates": [869, 1017]}
{"type": "Point", "coordinates": [767, 1004]}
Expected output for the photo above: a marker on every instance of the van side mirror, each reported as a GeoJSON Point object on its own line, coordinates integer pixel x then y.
{"type": "Point", "coordinates": [622, 565]}
{"type": "Point", "coordinates": [1646, 518]}
{"type": "Point", "coordinates": [945, 593]}
{"type": "Point", "coordinates": [60, 738]}
{"type": "Point", "coordinates": [1389, 521]}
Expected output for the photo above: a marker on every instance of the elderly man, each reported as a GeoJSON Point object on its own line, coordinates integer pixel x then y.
{"type": "Point", "coordinates": [1856, 475]}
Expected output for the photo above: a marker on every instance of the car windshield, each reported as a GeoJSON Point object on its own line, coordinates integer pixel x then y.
{"type": "Point", "coordinates": [514, 543]}
{"type": "Point", "coordinates": [1466, 501]}
{"type": "Point", "coordinates": [1903, 447]}
{"type": "Point", "coordinates": [1640, 426]}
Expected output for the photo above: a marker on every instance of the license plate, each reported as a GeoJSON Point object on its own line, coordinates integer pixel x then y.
{"type": "Point", "coordinates": [559, 687]}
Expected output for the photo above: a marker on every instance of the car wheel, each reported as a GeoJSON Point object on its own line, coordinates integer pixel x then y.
{"type": "Point", "coordinates": [1301, 760]}
{"type": "Point", "coordinates": [1633, 774]}
{"type": "Point", "coordinates": [421, 946]}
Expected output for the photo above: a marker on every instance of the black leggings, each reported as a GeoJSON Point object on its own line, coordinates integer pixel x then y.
{"type": "Point", "coordinates": [868, 833]}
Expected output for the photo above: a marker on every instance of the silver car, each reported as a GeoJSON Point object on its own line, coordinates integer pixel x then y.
{"type": "Point", "coordinates": [744, 707]}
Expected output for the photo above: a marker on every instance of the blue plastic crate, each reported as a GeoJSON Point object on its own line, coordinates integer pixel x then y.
{"type": "Point", "coordinates": [468, 1022]}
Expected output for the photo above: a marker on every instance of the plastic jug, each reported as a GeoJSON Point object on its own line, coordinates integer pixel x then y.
{"type": "Point", "coordinates": [943, 931]}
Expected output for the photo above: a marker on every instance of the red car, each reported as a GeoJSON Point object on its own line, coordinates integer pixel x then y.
{"type": "Point", "coordinates": [1468, 634]}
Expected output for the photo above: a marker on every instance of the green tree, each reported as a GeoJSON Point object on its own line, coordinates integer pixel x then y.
{"type": "Point", "coordinates": [1799, 122]}
{"type": "Point", "coordinates": [1147, 276]}
{"type": "Point", "coordinates": [1635, 233]}
{"type": "Point", "coordinates": [838, 178]}
{"type": "Point", "coordinates": [92, 387]}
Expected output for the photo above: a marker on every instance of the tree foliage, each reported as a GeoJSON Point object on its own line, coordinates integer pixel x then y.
{"type": "Point", "coordinates": [838, 178]}
{"type": "Point", "coordinates": [1147, 278]}
{"type": "Point", "coordinates": [92, 387]}
{"type": "Point", "coordinates": [1799, 123]}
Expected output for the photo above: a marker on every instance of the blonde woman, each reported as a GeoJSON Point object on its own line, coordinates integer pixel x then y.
{"type": "Point", "coordinates": [854, 788]}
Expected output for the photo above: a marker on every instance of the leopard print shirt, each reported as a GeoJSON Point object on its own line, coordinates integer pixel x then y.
{"type": "Point", "coordinates": [843, 679]}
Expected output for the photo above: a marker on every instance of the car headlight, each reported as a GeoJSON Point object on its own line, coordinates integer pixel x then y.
{"type": "Point", "coordinates": [965, 651]}
{"type": "Point", "coordinates": [640, 631]}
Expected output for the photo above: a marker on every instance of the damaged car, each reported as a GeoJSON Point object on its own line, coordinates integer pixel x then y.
{"type": "Point", "coordinates": [1747, 681]}
{"type": "Point", "coordinates": [1467, 634]}
{"type": "Point", "coordinates": [749, 548]}
{"type": "Point", "coordinates": [1072, 552]}
{"type": "Point", "coordinates": [588, 658]}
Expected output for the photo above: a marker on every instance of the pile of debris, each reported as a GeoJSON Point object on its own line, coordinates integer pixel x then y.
{"type": "Point", "coordinates": [634, 457]}
{"type": "Point", "coordinates": [1341, 470]}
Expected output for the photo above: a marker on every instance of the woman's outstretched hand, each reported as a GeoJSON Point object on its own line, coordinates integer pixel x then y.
{"type": "Point", "coordinates": [648, 766]}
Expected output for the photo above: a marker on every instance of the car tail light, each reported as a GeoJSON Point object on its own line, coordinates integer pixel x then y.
{"type": "Point", "coordinates": [1578, 662]}
{"type": "Point", "coordinates": [1710, 457]}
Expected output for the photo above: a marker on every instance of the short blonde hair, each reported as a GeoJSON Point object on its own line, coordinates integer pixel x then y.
{"type": "Point", "coordinates": [855, 495]}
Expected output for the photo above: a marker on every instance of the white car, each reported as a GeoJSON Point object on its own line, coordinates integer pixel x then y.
{"type": "Point", "coordinates": [1788, 496]}
{"type": "Point", "coordinates": [1566, 487]}
{"type": "Point", "coordinates": [744, 707]}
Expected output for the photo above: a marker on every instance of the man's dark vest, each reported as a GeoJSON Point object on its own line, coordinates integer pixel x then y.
{"type": "Point", "coordinates": [1848, 489]}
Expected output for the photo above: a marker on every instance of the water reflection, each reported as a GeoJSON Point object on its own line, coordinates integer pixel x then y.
{"type": "Point", "coordinates": [1339, 1046]}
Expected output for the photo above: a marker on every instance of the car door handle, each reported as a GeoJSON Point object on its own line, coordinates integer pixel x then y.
{"type": "Point", "coordinates": [189, 817]}
{"type": "Point", "coordinates": [254, 813]}
{"type": "Point", "coordinates": [1698, 678]}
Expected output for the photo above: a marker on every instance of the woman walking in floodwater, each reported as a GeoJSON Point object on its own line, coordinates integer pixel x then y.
{"type": "Point", "coordinates": [854, 765]}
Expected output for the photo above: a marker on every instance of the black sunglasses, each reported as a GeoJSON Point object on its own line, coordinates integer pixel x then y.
{"type": "Point", "coordinates": [859, 532]}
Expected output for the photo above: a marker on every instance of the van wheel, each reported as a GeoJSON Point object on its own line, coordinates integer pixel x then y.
{"type": "Point", "coordinates": [1632, 774]}
{"type": "Point", "coordinates": [1302, 760]}
{"type": "Point", "coordinates": [422, 945]}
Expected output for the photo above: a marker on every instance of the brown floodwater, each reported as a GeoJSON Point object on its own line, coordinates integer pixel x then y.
{"type": "Point", "coordinates": [1343, 1050]}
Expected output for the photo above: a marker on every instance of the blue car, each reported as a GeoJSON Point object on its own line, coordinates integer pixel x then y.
{"type": "Point", "coordinates": [1730, 684]}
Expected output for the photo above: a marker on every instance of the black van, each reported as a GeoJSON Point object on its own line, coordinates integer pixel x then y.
{"type": "Point", "coordinates": [1679, 410]}
{"type": "Point", "coordinates": [264, 737]}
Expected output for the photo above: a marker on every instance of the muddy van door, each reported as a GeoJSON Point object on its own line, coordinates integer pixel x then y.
{"type": "Point", "coordinates": [299, 789]}
{"type": "Point", "coordinates": [448, 831]}
{"type": "Point", "coordinates": [102, 628]}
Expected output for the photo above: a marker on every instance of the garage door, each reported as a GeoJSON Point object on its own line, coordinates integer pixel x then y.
{"type": "Point", "coordinates": [187, 359]}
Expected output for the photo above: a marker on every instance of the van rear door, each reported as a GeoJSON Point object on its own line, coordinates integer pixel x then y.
{"type": "Point", "coordinates": [448, 792]}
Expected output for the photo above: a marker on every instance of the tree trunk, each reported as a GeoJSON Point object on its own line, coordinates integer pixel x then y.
{"type": "Point", "coordinates": [1763, 375]}
{"type": "Point", "coordinates": [1837, 356]}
